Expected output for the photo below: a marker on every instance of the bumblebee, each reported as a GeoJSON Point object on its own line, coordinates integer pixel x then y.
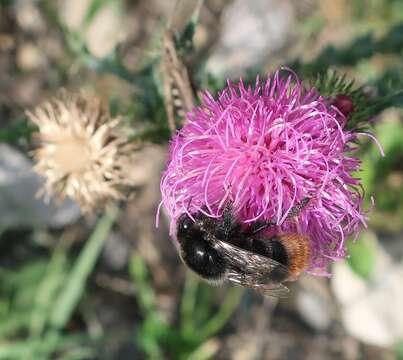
{"type": "Point", "coordinates": [221, 250]}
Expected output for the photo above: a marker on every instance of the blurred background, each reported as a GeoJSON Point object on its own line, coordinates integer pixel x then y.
{"type": "Point", "coordinates": [111, 286]}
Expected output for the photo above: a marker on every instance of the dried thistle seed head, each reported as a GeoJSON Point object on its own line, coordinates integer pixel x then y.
{"type": "Point", "coordinates": [81, 153]}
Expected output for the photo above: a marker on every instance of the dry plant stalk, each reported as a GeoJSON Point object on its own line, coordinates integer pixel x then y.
{"type": "Point", "coordinates": [178, 93]}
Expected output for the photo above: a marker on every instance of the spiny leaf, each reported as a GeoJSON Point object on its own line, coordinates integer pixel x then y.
{"type": "Point", "coordinates": [185, 40]}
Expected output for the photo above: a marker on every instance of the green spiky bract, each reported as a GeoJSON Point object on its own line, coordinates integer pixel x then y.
{"type": "Point", "coordinates": [366, 104]}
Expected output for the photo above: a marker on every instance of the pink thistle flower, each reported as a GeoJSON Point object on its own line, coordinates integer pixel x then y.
{"type": "Point", "coordinates": [266, 148]}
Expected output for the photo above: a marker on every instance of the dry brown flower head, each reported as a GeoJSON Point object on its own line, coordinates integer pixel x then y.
{"type": "Point", "coordinates": [81, 153]}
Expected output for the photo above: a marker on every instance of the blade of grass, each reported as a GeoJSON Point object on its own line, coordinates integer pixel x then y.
{"type": "Point", "coordinates": [78, 354]}
{"type": "Point", "coordinates": [205, 351]}
{"type": "Point", "coordinates": [154, 326]}
{"type": "Point", "coordinates": [204, 303]}
{"type": "Point", "coordinates": [72, 292]}
{"type": "Point", "coordinates": [144, 292]}
{"type": "Point", "coordinates": [399, 349]}
{"type": "Point", "coordinates": [13, 322]}
{"type": "Point", "coordinates": [52, 281]}
{"type": "Point", "coordinates": [93, 9]}
{"type": "Point", "coordinates": [188, 302]}
{"type": "Point", "coordinates": [231, 302]}
{"type": "Point", "coordinates": [40, 348]}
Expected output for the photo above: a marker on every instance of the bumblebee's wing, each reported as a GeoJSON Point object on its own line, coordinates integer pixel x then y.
{"type": "Point", "coordinates": [252, 270]}
{"type": "Point", "coordinates": [261, 285]}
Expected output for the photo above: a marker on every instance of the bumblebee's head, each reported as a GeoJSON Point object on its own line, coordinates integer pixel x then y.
{"type": "Point", "coordinates": [186, 228]}
{"type": "Point", "coordinates": [197, 252]}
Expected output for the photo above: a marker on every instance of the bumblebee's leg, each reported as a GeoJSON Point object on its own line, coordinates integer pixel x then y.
{"type": "Point", "coordinates": [228, 217]}
{"type": "Point", "coordinates": [298, 207]}
{"type": "Point", "coordinates": [206, 222]}
{"type": "Point", "coordinates": [258, 226]}
{"type": "Point", "coordinates": [228, 228]}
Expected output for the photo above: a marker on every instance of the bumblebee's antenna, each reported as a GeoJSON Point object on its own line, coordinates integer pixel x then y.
{"type": "Point", "coordinates": [190, 201]}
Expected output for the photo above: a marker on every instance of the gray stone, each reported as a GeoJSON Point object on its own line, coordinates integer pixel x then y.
{"type": "Point", "coordinates": [371, 310]}
{"type": "Point", "coordinates": [19, 204]}
{"type": "Point", "coordinates": [251, 30]}
{"type": "Point", "coordinates": [103, 33]}
{"type": "Point", "coordinates": [314, 303]}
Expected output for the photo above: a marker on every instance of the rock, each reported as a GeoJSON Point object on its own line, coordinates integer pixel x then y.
{"type": "Point", "coordinates": [28, 16]}
{"type": "Point", "coordinates": [146, 164]}
{"type": "Point", "coordinates": [104, 31]}
{"type": "Point", "coordinates": [139, 220]}
{"type": "Point", "coordinates": [19, 205]}
{"type": "Point", "coordinates": [314, 303]}
{"type": "Point", "coordinates": [371, 308]}
{"type": "Point", "coordinates": [116, 251]}
{"type": "Point", "coordinates": [30, 57]}
{"type": "Point", "coordinates": [72, 13]}
{"type": "Point", "coordinates": [251, 30]}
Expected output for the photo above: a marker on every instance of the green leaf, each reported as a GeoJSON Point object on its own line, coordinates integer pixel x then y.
{"type": "Point", "coordinates": [185, 41]}
{"type": "Point", "coordinates": [375, 168]}
{"type": "Point", "coordinates": [17, 132]}
{"type": "Point", "coordinates": [399, 349]}
{"type": "Point", "coordinates": [362, 257]}
{"type": "Point", "coordinates": [362, 47]}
